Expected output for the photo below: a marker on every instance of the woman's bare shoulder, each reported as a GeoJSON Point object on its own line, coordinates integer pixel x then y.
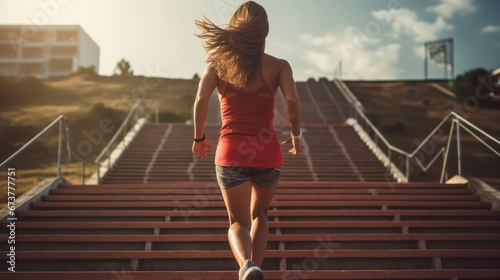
{"type": "Point", "coordinates": [276, 60]}
{"type": "Point", "coordinates": [278, 63]}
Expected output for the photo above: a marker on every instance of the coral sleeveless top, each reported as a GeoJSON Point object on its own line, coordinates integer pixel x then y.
{"type": "Point", "coordinates": [247, 136]}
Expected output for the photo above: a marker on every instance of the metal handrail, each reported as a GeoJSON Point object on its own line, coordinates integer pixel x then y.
{"type": "Point", "coordinates": [107, 150]}
{"type": "Point", "coordinates": [63, 132]}
{"type": "Point", "coordinates": [118, 132]}
{"type": "Point", "coordinates": [121, 130]}
{"type": "Point", "coordinates": [350, 96]}
{"type": "Point", "coordinates": [458, 122]}
{"type": "Point", "coordinates": [357, 111]}
{"type": "Point", "coordinates": [154, 107]}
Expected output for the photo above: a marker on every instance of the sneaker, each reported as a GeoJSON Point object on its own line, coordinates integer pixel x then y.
{"type": "Point", "coordinates": [250, 271]}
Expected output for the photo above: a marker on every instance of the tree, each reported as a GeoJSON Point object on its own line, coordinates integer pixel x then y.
{"type": "Point", "coordinates": [476, 83]}
{"type": "Point", "coordinates": [196, 77]}
{"type": "Point", "coordinates": [123, 68]}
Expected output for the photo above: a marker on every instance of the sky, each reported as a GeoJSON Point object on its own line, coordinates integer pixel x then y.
{"type": "Point", "coordinates": [373, 39]}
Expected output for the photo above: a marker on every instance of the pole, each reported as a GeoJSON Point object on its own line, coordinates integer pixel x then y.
{"type": "Point", "coordinates": [83, 172]}
{"type": "Point", "coordinates": [459, 148]}
{"type": "Point", "coordinates": [59, 148]}
{"type": "Point", "coordinates": [425, 61]}
{"type": "Point", "coordinates": [452, 56]}
{"type": "Point", "coordinates": [446, 61]}
{"type": "Point", "coordinates": [407, 168]}
{"type": "Point", "coordinates": [340, 70]}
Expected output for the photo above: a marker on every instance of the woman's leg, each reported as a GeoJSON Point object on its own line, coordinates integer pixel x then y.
{"type": "Point", "coordinates": [261, 199]}
{"type": "Point", "coordinates": [237, 200]}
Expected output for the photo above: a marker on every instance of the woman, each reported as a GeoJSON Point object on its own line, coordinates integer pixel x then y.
{"type": "Point", "coordinates": [248, 158]}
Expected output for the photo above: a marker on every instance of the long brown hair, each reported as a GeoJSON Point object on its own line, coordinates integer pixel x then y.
{"type": "Point", "coordinates": [234, 52]}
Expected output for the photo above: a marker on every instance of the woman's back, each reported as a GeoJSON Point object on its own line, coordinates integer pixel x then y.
{"type": "Point", "coordinates": [270, 70]}
{"type": "Point", "coordinates": [247, 136]}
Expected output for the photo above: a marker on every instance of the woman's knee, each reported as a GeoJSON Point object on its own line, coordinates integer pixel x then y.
{"type": "Point", "coordinates": [240, 221]}
{"type": "Point", "coordinates": [259, 214]}
{"type": "Point", "coordinates": [261, 202]}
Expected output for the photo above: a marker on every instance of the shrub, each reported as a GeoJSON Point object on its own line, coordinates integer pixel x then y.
{"type": "Point", "coordinates": [477, 83]}
{"type": "Point", "coordinates": [15, 91]}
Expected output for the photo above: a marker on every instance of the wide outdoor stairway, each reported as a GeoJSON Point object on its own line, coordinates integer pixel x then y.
{"type": "Point", "coordinates": [331, 150]}
{"type": "Point", "coordinates": [162, 153]}
{"type": "Point", "coordinates": [337, 214]}
{"type": "Point", "coordinates": [321, 230]}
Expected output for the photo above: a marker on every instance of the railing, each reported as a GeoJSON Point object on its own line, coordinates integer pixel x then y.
{"type": "Point", "coordinates": [457, 123]}
{"type": "Point", "coordinates": [154, 108]}
{"type": "Point", "coordinates": [63, 134]}
{"type": "Point", "coordinates": [133, 115]}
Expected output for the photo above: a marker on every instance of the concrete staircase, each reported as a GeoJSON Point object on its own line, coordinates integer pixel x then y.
{"type": "Point", "coordinates": [162, 153]}
{"type": "Point", "coordinates": [332, 151]}
{"type": "Point", "coordinates": [336, 215]}
{"type": "Point", "coordinates": [319, 230]}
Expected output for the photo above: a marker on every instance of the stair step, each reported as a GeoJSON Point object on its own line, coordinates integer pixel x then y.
{"type": "Point", "coordinates": [337, 214]}
{"type": "Point", "coordinates": [402, 214]}
{"type": "Point", "coordinates": [300, 272]}
{"type": "Point", "coordinates": [272, 238]}
{"type": "Point", "coordinates": [197, 260]}
{"type": "Point", "coordinates": [294, 204]}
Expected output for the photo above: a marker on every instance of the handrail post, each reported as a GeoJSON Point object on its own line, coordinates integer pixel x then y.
{"type": "Point", "coordinates": [66, 137]}
{"type": "Point", "coordinates": [443, 168]}
{"type": "Point", "coordinates": [446, 153]}
{"type": "Point", "coordinates": [59, 148]}
{"type": "Point", "coordinates": [389, 155]}
{"type": "Point", "coordinates": [407, 168]}
{"type": "Point", "coordinates": [459, 148]}
{"type": "Point", "coordinates": [98, 173]}
{"type": "Point", "coordinates": [109, 159]}
{"type": "Point", "coordinates": [83, 172]}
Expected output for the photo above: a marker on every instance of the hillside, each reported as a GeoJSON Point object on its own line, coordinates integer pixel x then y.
{"type": "Point", "coordinates": [406, 112]}
{"type": "Point", "coordinates": [75, 93]}
{"type": "Point", "coordinates": [85, 101]}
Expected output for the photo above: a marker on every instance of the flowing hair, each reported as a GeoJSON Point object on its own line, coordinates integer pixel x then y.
{"type": "Point", "coordinates": [235, 51]}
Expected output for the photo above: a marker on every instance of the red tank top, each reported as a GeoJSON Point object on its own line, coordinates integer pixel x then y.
{"type": "Point", "coordinates": [247, 136]}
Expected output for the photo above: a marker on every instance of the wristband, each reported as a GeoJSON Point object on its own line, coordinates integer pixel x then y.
{"type": "Point", "coordinates": [198, 140]}
{"type": "Point", "coordinates": [296, 137]}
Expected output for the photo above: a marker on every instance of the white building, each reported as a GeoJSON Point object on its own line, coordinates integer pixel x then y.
{"type": "Point", "coordinates": [45, 50]}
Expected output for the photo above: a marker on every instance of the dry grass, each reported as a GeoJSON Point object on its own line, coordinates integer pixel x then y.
{"type": "Point", "coordinates": [396, 108]}
{"type": "Point", "coordinates": [73, 96]}
{"type": "Point", "coordinates": [26, 179]}
{"type": "Point", "coordinates": [76, 94]}
{"type": "Point", "coordinates": [401, 104]}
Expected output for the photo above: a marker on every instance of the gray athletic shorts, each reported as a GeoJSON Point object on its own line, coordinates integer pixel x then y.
{"type": "Point", "coordinates": [232, 176]}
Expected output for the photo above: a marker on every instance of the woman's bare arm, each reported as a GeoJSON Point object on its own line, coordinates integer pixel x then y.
{"type": "Point", "coordinates": [287, 85]}
{"type": "Point", "coordinates": [206, 87]}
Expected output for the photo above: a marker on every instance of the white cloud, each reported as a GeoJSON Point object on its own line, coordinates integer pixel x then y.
{"type": "Point", "coordinates": [448, 8]}
{"type": "Point", "coordinates": [419, 51]}
{"type": "Point", "coordinates": [368, 57]}
{"type": "Point", "coordinates": [362, 57]}
{"type": "Point", "coordinates": [404, 21]}
{"type": "Point", "coordinates": [491, 28]}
